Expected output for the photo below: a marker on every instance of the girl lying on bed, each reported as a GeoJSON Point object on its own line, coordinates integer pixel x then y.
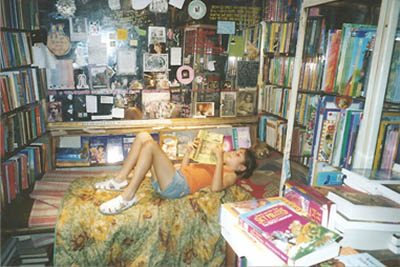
{"type": "Point", "coordinates": [145, 154]}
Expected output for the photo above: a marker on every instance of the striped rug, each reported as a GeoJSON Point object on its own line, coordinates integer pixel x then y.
{"type": "Point", "coordinates": [49, 191]}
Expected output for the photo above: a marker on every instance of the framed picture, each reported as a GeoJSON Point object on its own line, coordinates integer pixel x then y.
{"type": "Point", "coordinates": [204, 109]}
{"type": "Point", "coordinates": [246, 102]}
{"type": "Point", "coordinates": [157, 35]}
{"type": "Point", "coordinates": [228, 104]}
{"type": "Point", "coordinates": [155, 62]}
{"type": "Point", "coordinates": [98, 77]}
{"type": "Point", "coordinates": [78, 27]}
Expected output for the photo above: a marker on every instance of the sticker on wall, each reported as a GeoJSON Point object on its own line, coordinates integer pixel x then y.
{"type": "Point", "coordinates": [185, 74]}
{"type": "Point", "coordinates": [197, 9]}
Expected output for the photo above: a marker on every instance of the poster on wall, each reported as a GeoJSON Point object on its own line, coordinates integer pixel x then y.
{"type": "Point", "coordinates": [155, 62]}
{"type": "Point", "coordinates": [126, 61]}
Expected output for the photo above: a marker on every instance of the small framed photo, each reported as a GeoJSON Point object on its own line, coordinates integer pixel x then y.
{"type": "Point", "coordinates": [228, 104]}
{"type": "Point", "coordinates": [78, 29]}
{"type": "Point", "coordinates": [206, 109]}
{"type": "Point", "coordinates": [155, 62]}
{"type": "Point", "coordinates": [156, 35]}
{"type": "Point", "coordinates": [246, 102]}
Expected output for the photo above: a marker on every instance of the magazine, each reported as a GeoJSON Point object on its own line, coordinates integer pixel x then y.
{"type": "Point", "coordinates": [207, 141]}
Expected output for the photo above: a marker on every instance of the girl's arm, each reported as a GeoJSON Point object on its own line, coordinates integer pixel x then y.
{"type": "Point", "coordinates": [221, 181]}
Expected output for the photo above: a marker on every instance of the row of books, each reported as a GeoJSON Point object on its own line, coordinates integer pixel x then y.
{"type": "Point", "coordinates": [281, 10]}
{"type": "Point", "coordinates": [22, 170]}
{"type": "Point", "coordinates": [279, 37]}
{"type": "Point", "coordinates": [15, 49]}
{"type": "Point", "coordinates": [315, 36]}
{"type": "Point", "coordinates": [19, 14]}
{"type": "Point", "coordinates": [272, 130]}
{"type": "Point", "coordinates": [393, 87]}
{"type": "Point", "coordinates": [387, 147]}
{"type": "Point", "coordinates": [149, 104]}
{"type": "Point", "coordinates": [112, 149]}
{"type": "Point", "coordinates": [21, 87]}
{"type": "Point", "coordinates": [275, 100]}
{"type": "Point", "coordinates": [279, 71]}
{"type": "Point", "coordinates": [311, 74]}
{"type": "Point", "coordinates": [18, 129]}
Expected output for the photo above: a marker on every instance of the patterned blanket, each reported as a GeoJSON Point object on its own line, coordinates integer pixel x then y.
{"type": "Point", "coordinates": [154, 232]}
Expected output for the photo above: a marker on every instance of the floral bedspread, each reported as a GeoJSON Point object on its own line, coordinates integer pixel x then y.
{"type": "Point", "coordinates": [154, 232]}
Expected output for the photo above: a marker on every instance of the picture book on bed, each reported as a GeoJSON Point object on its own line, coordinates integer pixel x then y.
{"type": "Point", "coordinates": [204, 151]}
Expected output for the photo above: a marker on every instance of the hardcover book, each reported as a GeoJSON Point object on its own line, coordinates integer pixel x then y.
{"type": "Point", "coordinates": [114, 149]}
{"type": "Point", "coordinates": [294, 238]}
{"type": "Point", "coordinates": [204, 151]}
{"type": "Point", "coordinates": [98, 153]}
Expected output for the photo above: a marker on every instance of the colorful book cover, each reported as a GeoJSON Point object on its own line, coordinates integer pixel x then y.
{"type": "Point", "coordinates": [241, 137]}
{"type": "Point", "coordinates": [286, 233]}
{"type": "Point", "coordinates": [98, 152]}
{"type": "Point", "coordinates": [127, 141]}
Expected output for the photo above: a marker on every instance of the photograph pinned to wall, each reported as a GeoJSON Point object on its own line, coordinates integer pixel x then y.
{"type": "Point", "coordinates": [57, 41]}
{"type": "Point", "coordinates": [81, 77]}
{"type": "Point", "coordinates": [156, 104]}
{"type": "Point", "coordinates": [126, 61]}
{"type": "Point", "coordinates": [123, 82]}
{"type": "Point", "coordinates": [158, 48]}
{"type": "Point", "coordinates": [156, 35]}
{"type": "Point", "coordinates": [158, 6]}
{"type": "Point", "coordinates": [246, 102]}
{"type": "Point", "coordinates": [98, 77]}
{"type": "Point", "coordinates": [54, 112]}
{"type": "Point", "coordinates": [78, 28]}
{"type": "Point", "coordinates": [156, 80]}
{"type": "Point", "coordinates": [228, 104]}
{"type": "Point", "coordinates": [155, 62]}
{"type": "Point", "coordinates": [205, 109]}
{"type": "Point", "coordinates": [185, 74]}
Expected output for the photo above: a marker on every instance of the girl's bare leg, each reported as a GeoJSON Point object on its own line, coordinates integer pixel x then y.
{"type": "Point", "coordinates": [132, 156]}
{"type": "Point", "coordinates": [151, 155]}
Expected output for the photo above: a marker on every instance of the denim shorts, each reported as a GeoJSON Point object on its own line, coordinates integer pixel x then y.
{"type": "Point", "coordinates": [176, 189]}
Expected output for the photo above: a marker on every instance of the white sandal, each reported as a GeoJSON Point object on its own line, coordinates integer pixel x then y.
{"type": "Point", "coordinates": [111, 184]}
{"type": "Point", "coordinates": [116, 205]}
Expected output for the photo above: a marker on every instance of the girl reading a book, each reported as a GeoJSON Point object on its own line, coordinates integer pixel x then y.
{"type": "Point", "coordinates": [145, 154]}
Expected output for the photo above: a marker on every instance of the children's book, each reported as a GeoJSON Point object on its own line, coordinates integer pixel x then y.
{"type": "Point", "coordinates": [114, 149]}
{"type": "Point", "coordinates": [295, 239]}
{"type": "Point", "coordinates": [98, 153]}
{"type": "Point", "coordinates": [204, 151]}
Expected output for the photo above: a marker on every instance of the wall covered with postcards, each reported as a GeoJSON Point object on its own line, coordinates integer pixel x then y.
{"type": "Point", "coordinates": [149, 59]}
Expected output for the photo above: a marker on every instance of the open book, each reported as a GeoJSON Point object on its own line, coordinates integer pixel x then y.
{"type": "Point", "coordinates": [204, 151]}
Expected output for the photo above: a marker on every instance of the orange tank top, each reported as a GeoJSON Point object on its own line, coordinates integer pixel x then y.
{"type": "Point", "coordinates": [198, 175]}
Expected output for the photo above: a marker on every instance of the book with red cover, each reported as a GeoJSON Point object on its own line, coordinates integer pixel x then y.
{"type": "Point", "coordinates": [295, 239]}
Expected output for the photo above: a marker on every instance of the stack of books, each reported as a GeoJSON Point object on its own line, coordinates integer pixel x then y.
{"type": "Point", "coordinates": [283, 229]}
{"type": "Point", "coordinates": [367, 209]}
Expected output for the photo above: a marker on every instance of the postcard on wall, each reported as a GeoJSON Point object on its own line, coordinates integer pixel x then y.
{"type": "Point", "coordinates": [97, 50]}
{"type": "Point", "coordinates": [91, 104]}
{"type": "Point", "coordinates": [62, 76]}
{"type": "Point", "coordinates": [126, 61]}
{"type": "Point", "coordinates": [176, 56]}
{"type": "Point", "coordinates": [156, 104]}
{"type": "Point", "coordinates": [156, 35]}
{"type": "Point", "coordinates": [78, 29]}
{"type": "Point", "coordinates": [246, 102]}
{"type": "Point", "coordinates": [228, 104]}
{"type": "Point", "coordinates": [98, 77]}
{"type": "Point", "coordinates": [155, 62]}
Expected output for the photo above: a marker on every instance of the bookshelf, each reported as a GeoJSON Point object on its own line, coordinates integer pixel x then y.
{"type": "Point", "coordinates": [22, 102]}
{"type": "Point", "coordinates": [383, 15]}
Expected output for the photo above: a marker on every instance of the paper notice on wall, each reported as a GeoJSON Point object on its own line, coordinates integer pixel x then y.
{"type": "Point", "coordinates": [91, 104]}
{"type": "Point", "coordinates": [126, 61]}
{"type": "Point", "coordinates": [176, 56]}
{"type": "Point", "coordinates": [225, 27]}
{"type": "Point", "coordinates": [140, 4]}
{"type": "Point", "coordinates": [177, 3]}
{"type": "Point", "coordinates": [97, 50]}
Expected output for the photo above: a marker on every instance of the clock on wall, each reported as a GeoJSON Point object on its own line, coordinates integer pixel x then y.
{"type": "Point", "coordinates": [197, 9]}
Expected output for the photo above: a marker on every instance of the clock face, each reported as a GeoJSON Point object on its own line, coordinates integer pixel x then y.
{"type": "Point", "coordinates": [197, 9]}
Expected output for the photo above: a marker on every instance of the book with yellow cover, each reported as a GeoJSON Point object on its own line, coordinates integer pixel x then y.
{"type": "Point", "coordinates": [204, 150]}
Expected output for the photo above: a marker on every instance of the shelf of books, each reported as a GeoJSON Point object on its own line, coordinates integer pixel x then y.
{"type": "Point", "coordinates": [279, 26]}
{"type": "Point", "coordinates": [22, 88]}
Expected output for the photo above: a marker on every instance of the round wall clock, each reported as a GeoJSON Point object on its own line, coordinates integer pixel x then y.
{"type": "Point", "coordinates": [197, 9]}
